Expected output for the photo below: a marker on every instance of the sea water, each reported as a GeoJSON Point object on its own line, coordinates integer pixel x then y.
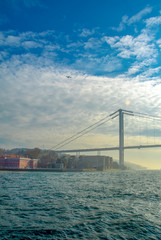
{"type": "Point", "coordinates": [80, 205]}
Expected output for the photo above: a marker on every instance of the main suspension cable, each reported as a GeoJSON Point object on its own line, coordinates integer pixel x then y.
{"type": "Point", "coordinates": [66, 143]}
{"type": "Point", "coordinates": [78, 133]}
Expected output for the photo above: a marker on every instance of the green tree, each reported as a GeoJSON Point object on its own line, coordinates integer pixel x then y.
{"type": "Point", "coordinates": [48, 160]}
{"type": "Point", "coordinates": [33, 153]}
{"type": "Point", "coordinates": [1, 152]}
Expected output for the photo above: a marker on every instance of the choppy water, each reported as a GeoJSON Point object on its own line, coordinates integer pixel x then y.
{"type": "Point", "coordinates": [80, 205]}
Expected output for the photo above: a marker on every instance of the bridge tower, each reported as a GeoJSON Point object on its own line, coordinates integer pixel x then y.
{"type": "Point", "coordinates": [121, 138]}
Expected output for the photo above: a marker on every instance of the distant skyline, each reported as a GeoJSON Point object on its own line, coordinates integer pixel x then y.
{"type": "Point", "coordinates": [66, 64]}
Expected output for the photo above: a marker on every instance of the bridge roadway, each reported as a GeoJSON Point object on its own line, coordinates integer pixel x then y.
{"type": "Point", "coordinates": [107, 149]}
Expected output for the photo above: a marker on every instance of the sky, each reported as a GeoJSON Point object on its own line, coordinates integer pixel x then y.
{"type": "Point", "coordinates": [64, 65]}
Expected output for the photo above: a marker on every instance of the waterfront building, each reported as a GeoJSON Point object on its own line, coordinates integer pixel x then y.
{"type": "Point", "coordinates": [95, 162]}
{"type": "Point", "coordinates": [17, 162]}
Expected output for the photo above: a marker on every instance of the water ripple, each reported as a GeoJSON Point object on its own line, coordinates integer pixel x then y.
{"type": "Point", "coordinates": [86, 205]}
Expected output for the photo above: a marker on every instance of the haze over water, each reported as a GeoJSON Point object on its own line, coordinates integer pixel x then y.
{"type": "Point", "coordinates": [80, 205]}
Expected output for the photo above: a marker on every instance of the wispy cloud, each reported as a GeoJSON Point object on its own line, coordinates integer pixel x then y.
{"type": "Point", "coordinates": [126, 21]}
{"type": "Point", "coordinates": [16, 39]}
{"type": "Point", "coordinates": [28, 42]}
{"type": "Point", "coordinates": [153, 21]}
{"type": "Point", "coordinates": [142, 50]}
{"type": "Point", "coordinates": [85, 54]}
{"type": "Point", "coordinates": [128, 46]}
{"type": "Point", "coordinates": [139, 15]}
{"type": "Point", "coordinates": [122, 24]}
{"type": "Point", "coordinates": [86, 32]}
{"type": "Point", "coordinates": [97, 65]}
{"type": "Point", "coordinates": [93, 43]}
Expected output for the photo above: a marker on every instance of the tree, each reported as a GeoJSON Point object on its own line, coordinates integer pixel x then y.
{"type": "Point", "coordinates": [1, 152]}
{"type": "Point", "coordinates": [48, 160]}
{"type": "Point", "coordinates": [33, 153]}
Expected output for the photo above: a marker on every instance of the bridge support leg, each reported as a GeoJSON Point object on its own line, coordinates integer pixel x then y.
{"type": "Point", "coordinates": [121, 138]}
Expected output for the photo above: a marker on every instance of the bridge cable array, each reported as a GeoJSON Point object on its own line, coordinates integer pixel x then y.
{"type": "Point", "coordinates": [143, 115]}
{"type": "Point", "coordinates": [82, 132]}
{"type": "Point", "coordinates": [99, 123]}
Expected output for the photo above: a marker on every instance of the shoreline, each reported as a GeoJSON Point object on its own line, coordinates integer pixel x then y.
{"type": "Point", "coordinates": [55, 170]}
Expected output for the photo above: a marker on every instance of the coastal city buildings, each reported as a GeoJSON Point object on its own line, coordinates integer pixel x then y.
{"type": "Point", "coordinates": [58, 163]}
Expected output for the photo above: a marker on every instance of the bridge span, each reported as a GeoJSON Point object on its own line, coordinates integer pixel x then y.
{"type": "Point", "coordinates": [121, 146]}
{"type": "Point", "coordinates": [106, 149]}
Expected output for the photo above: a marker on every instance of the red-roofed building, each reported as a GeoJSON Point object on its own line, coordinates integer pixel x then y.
{"type": "Point", "coordinates": [18, 162]}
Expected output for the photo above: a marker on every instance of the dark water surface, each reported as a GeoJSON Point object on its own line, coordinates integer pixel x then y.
{"type": "Point", "coordinates": [80, 205]}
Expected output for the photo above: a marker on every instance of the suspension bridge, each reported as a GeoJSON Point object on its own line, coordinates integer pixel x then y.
{"type": "Point", "coordinates": [121, 147]}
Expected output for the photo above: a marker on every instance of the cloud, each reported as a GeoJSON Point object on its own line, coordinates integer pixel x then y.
{"type": "Point", "coordinates": [88, 55]}
{"type": "Point", "coordinates": [150, 72]}
{"type": "Point", "coordinates": [122, 24]}
{"type": "Point", "coordinates": [43, 106]}
{"type": "Point", "coordinates": [139, 15]}
{"type": "Point", "coordinates": [26, 39]}
{"type": "Point", "coordinates": [86, 32]}
{"type": "Point", "coordinates": [42, 43]}
{"type": "Point", "coordinates": [92, 43]}
{"type": "Point", "coordinates": [98, 65]}
{"type": "Point", "coordinates": [159, 42]}
{"type": "Point", "coordinates": [75, 45]}
{"type": "Point", "coordinates": [142, 67]}
{"type": "Point", "coordinates": [135, 68]}
{"type": "Point", "coordinates": [31, 44]}
{"type": "Point", "coordinates": [153, 21]}
{"type": "Point", "coordinates": [126, 21]}
{"type": "Point", "coordinates": [91, 55]}
{"type": "Point", "coordinates": [140, 47]}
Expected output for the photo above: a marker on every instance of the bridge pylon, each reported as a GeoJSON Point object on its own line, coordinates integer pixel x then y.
{"type": "Point", "coordinates": [121, 138]}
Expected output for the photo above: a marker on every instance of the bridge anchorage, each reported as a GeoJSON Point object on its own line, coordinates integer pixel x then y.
{"type": "Point", "coordinates": [119, 113]}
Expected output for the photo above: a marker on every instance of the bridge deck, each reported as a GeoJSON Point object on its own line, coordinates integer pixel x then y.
{"type": "Point", "coordinates": [107, 149]}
